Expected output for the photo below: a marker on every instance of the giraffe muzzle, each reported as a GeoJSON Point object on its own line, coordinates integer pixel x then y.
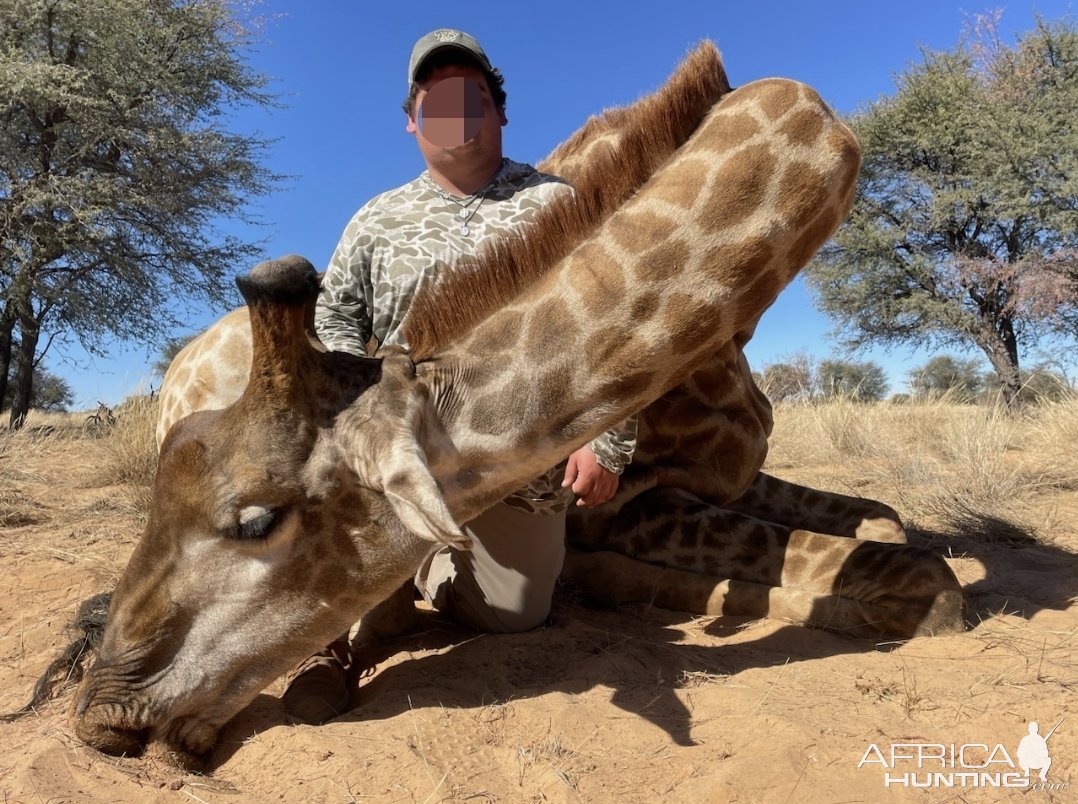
{"type": "Point", "coordinates": [105, 727]}
{"type": "Point", "coordinates": [102, 726]}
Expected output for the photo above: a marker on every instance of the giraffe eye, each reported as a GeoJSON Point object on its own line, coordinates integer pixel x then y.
{"type": "Point", "coordinates": [255, 523]}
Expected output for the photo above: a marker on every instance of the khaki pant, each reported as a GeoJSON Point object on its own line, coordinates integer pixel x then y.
{"type": "Point", "coordinates": [505, 583]}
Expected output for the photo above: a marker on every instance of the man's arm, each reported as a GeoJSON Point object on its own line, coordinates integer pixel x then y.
{"type": "Point", "coordinates": [342, 317]}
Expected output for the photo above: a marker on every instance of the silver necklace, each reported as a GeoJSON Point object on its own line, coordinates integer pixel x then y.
{"type": "Point", "coordinates": [465, 210]}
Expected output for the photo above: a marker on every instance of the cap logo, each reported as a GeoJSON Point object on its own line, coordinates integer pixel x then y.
{"type": "Point", "coordinates": [446, 35]}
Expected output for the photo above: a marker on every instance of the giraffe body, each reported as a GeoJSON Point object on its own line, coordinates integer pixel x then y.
{"type": "Point", "coordinates": [715, 534]}
{"type": "Point", "coordinates": [281, 518]}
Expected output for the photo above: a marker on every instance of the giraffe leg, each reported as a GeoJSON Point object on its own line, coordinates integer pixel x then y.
{"type": "Point", "coordinates": [821, 511]}
{"type": "Point", "coordinates": [619, 580]}
{"type": "Point", "coordinates": [710, 560]}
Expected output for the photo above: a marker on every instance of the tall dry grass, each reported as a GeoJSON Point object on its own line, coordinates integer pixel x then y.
{"type": "Point", "coordinates": [948, 467]}
{"type": "Point", "coordinates": [43, 431]}
{"type": "Point", "coordinates": [957, 468]}
{"type": "Point", "coordinates": [129, 451]}
{"type": "Point", "coordinates": [124, 456]}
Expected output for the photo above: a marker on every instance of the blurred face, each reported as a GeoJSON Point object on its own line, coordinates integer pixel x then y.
{"type": "Point", "coordinates": [452, 112]}
{"type": "Point", "coordinates": [455, 118]}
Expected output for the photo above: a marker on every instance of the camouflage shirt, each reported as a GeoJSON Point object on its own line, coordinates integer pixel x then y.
{"type": "Point", "coordinates": [399, 241]}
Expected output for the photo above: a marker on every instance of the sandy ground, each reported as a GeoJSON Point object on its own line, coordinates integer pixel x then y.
{"type": "Point", "coordinates": [626, 705]}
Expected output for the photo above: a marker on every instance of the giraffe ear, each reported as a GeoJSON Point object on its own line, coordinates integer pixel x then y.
{"type": "Point", "coordinates": [381, 437]}
{"type": "Point", "coordinates": [416, 499]}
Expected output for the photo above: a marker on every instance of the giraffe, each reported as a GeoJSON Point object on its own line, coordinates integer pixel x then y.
{"type": "Point", "coordinates": [707, 439]}
{"type": "Point", "coordinates": [281, 518]}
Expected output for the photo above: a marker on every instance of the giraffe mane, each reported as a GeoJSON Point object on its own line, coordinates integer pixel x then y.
{"type": "Point", "coordinates": [649, 130]}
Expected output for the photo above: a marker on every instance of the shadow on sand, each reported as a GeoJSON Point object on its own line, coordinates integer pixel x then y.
{"type": "Point", "coordinates": [638, 652]}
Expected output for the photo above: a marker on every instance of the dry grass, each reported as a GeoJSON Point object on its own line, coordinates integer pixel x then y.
{"type": "Point", "coordinates": [42, 432]}
{"type": "Point", "coordinates": [552, 754]}
{"type": "Point", "coordinates": [130, 451]}
{"type": "Point", "coordinates": [16, 509]}
{"type": "Point", "coordinates": [963, 468]}
{"type": "Point", "coordinates": [960, 469]}
{"type": "Point", "coordinates": [124, 455]}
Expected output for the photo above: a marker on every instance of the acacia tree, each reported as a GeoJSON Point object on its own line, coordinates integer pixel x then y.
{"type": "Point", "coordinates": [964, 226]}
{"type": "Point", "coordinates": [114, 163]}
{"type": "Point", "coordinates": [51, 392]}
{"type": "Point", "coordinates": [793, 379]}
{"type": "Point", "coordinates": [1041, 384]}
{"type": "Point", "coordinates": [849, 379]}
{"type": "Point", "coordinates": [943, 375]}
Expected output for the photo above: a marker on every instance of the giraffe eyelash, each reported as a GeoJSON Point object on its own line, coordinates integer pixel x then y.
{"type": "Point", "coordinates": [255, 524]}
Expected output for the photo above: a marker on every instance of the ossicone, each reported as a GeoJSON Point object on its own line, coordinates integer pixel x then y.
{"type": "Point", "coordinates": [290, 280]}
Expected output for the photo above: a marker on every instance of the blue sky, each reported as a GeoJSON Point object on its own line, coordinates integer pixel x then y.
{"type": "Point", "coordinates": [340, 69]}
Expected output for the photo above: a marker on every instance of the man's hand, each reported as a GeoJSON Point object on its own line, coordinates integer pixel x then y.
{"type": "Point", "coordinates": [593, 484]}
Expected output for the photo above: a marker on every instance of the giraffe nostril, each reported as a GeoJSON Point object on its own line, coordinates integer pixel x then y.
{"type": "Point", "coordinates": [97, 732]}
{"type": "Point", "coordinates": [100, 727]}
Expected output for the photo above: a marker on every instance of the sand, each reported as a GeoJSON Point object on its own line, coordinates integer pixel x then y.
{"type": "Point", "coordinates": [634, 704]}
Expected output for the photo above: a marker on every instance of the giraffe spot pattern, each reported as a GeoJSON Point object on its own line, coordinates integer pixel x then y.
{"type": "Point", "coordinates": [776, 97]}
{"type": "Point", "coordinates": [681, 183]}
{"type": "Point", "coordinates": [597, 290]}
{"type": "Point", "coordinates": [813, 237]}
{"type": "Point", "coordinates": [615, 352]}
{"type": "Point", "coordinates": [487, 415]}
{"type": "Point", "coordinates": [551, 331]}
{"type": "Point", "coordinates": [645, 305]}
{"type": "Point", "coordinates": [741, 263]}
{"type": "Point", "coordinates": [730, 128]}
{"type": "Point", "coordinates": [663, 262]}
{"type": "Point", "coordinates": [552, 388]}
{"type": "Point", "coordinates": [762, 290]}
{"type": "Point", "coordinates": [803, 127]}
{"type": "Point", "coordinates": [738, 189]}
{"type": "Point", "coordinates": [633, 385]}
{"type": "Point", "coordinates": [637, 231]}
{"type": "Point", "coordinates": [803, 192]}
{"type": "Point", "coordinates": [690, 322]}
{"type": "Point", "coordinates": [508, 324]}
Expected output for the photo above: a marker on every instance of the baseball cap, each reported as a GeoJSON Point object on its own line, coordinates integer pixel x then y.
{"type": "Point", "coordinates": [445, 38]}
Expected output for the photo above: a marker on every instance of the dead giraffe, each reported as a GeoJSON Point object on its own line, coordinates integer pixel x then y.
{"type": "Point", "coordinates": [279, 520]}
{"type": "Point", "coordinates": [695, 501]}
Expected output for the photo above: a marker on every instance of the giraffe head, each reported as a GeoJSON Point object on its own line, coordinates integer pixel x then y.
{"type": "Point", "coordinates": [264, 541]}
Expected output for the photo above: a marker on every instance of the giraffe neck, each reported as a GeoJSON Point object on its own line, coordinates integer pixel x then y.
{"type": "Point", "coordinates": [691, 260]}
